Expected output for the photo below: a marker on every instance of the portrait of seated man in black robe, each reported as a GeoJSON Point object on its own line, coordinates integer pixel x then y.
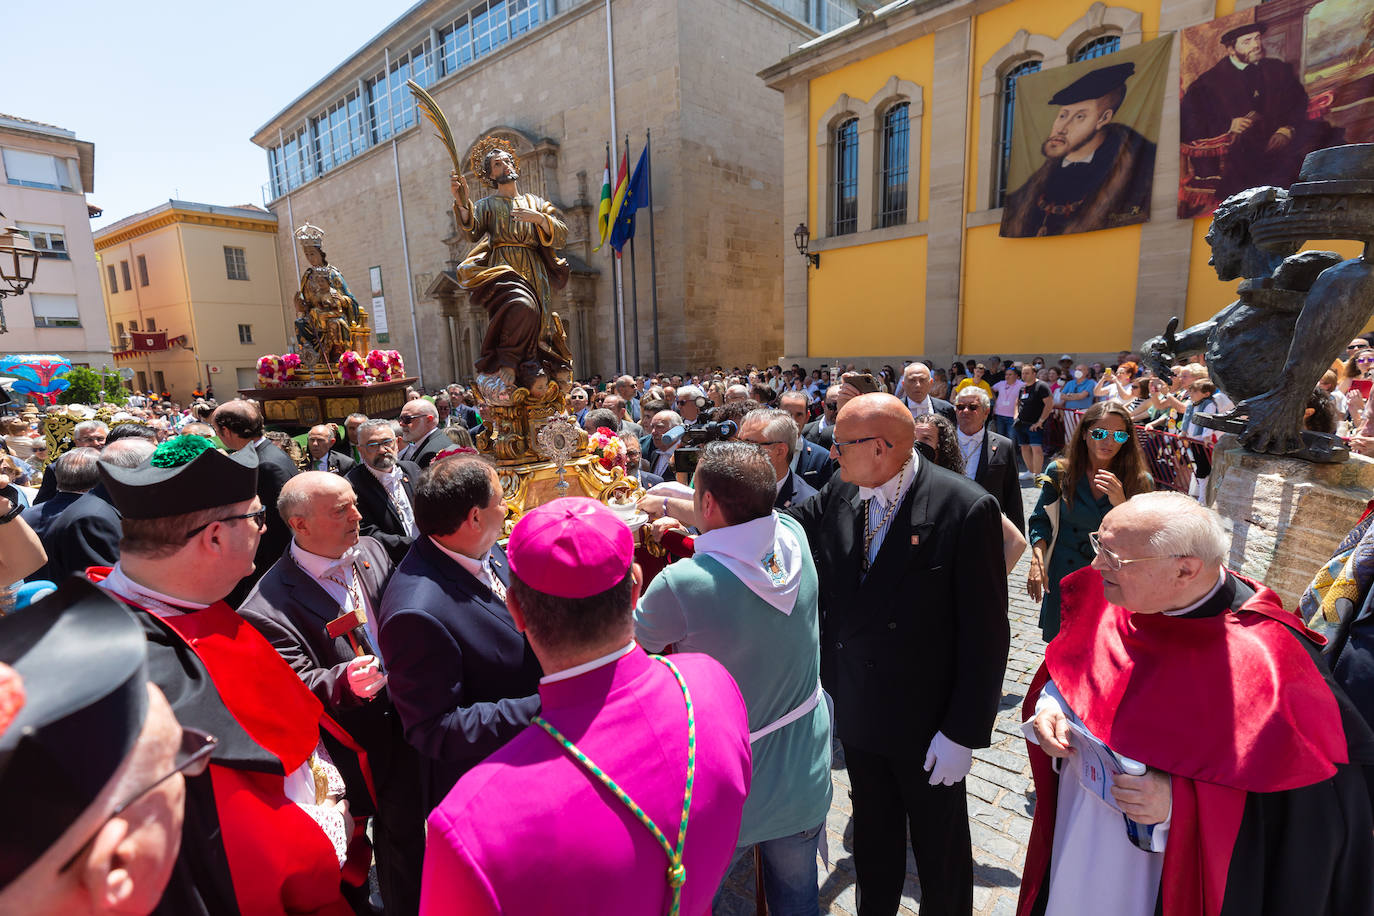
{"type": "Point", "coordinates": [1096, 174]}
{"type": "Point", "coordinates": [1244, 124]}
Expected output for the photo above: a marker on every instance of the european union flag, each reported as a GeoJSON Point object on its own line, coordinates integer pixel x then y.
{"type": "Point", "coordinates": [635, 197]}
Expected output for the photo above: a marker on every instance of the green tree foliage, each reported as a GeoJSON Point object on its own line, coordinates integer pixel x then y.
{"type": "Point", "coordinates": [89, 386]}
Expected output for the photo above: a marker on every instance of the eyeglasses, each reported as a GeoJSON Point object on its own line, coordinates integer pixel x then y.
{"type": "Point", "coordinates": [1114, 559]}
{"type": "Point", "coordinates": [192, 758]}
{"type": "Point", "coordinates": [378, 443]}
{"type": "Point", "coordinates": [762, 441]}
{"type": "Point", "coordinates": [1365, 360]}
{"type": "Point", "coordinates": [1101, 434]}
{"type": "Point", "coordinates": [258, 518]}
{"type": "Point", "coordinates": [841, 444]}
{"type": "Point", "coordinates": [831, 405]}
{"type": "Point", "coordinates": [1358, 346]}
{"type": "Point", "coordinates": [968, 406]}
{"type": "Point", "coordinates": [406, 421]}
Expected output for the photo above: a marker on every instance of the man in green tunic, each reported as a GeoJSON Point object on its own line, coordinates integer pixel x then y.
{"type": "Point", "coordinates": [511, 272]}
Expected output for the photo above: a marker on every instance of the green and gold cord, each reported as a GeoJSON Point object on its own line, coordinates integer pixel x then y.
{"type": "Point", "coordinates": [677, 872]}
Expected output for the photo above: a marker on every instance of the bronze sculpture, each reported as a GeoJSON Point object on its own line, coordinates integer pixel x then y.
{"type": "Point", "coordinates": [1268, 349]}
{"type": "Point", "coordinates": [511, 272]}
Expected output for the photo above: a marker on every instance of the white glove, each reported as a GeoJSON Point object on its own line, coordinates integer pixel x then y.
{"type": "Point", "coordinates": [946, 761]}
{"type": "Point", "coordinates": [365, 677]}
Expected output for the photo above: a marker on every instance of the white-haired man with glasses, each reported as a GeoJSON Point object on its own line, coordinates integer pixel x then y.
{"type": "Point", "coordinates": [1205, 761]}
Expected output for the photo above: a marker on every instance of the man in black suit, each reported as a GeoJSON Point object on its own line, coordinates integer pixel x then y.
{"type": "Point", "coordinates": [914, 640]}
{"type": "Point", "coordinates": [319, 446]}
{"type": "Point", "coordinates": [420, 427]}
{"type": "Point", "coordinates": [989, 459]}
{"type": "Point", "coordinates": [811, 462]}
{"type": "Point", "coordinates": [385, 488]}
{"type": "Point", "coordinates": [328, 571]}
{"type": "Point", "coordinates": [72, 474]}
{"type": "Point", "coordinates": [239, 424]}
{"type": "Point", "coordinates": [916, 382]}
{"type": "Point", "coordinates": [822, 429]}
{"type": "Point", "coordinates": [657, 450]}
{"type": "Point", "coordinates": [461, 675]}
{"type": "Point", "coordinates": [776, 433]}
{"type": "Point", "coordinates": [634, 464]}
{"type": "Point", "coordinates": [88, 531]}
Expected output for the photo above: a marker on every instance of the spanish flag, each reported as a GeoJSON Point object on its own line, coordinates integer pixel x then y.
{"type": "Point", "coordinates": [603, 209]}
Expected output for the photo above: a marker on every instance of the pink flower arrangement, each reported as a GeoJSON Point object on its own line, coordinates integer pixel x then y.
{"type": "Point", "coordinates": [394, 361]}
{"type": "Point", "coordinates": [275, 371]}
{"type": "Point", "coordinates": [378, 369]}
{"type": "Point", "coordinates": [607, 448]}
{"type": "Point", "coordinates": [352, 369]}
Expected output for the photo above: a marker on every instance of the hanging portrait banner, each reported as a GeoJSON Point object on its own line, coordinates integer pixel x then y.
{"type": "Point", "coordinates": [1083, 143]}
{"type": "Point", "coordinates": [1264, 87]}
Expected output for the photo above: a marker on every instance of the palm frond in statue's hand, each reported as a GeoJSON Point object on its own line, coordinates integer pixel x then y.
{"type": "Point", "coordinates": [435, 115]}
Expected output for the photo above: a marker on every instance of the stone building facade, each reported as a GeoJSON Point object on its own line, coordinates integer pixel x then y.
{"type": "Point", "coordinates": [351, 155]}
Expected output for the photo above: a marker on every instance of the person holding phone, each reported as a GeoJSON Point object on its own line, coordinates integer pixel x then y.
{"type": "Point", "coordinates": [1104, 467]}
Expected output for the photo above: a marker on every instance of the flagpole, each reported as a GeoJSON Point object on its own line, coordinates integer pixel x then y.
{"type": "Point", "coordinates": [653, 257]}
{"type": "Point", "coordinates": [634, 286]}
{"type": "Point", "coordinates": [619, 305]}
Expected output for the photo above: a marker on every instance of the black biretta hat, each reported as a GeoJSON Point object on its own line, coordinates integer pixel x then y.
{"type": "Point", "coordinates": [1094, 84]}
{"type": "Point", "coordinates": [185, 474]}
{"type": "Point", "coordinates": [81, 658]}
{"type": "Point", "coordinates": [1233, 35]}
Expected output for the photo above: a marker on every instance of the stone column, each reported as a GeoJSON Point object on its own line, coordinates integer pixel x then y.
{"type": "Point", "coordinates": [945, 242]}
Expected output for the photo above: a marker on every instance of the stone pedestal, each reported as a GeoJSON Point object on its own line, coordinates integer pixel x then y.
{"type": "Point", "coordinates": [1287, 515]}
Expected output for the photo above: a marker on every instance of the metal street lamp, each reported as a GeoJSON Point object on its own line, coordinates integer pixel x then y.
{"type": "Point", "coordinates": [18, 265]}
{"type": "Point", "coordinates": [802, 236]}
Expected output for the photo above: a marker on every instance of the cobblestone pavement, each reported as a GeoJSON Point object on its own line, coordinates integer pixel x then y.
{"type": "Point", "coordinates": [1000, 799]}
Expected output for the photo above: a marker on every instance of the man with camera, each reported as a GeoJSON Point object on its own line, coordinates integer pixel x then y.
{"type": "Point", "coordinates": [748, 598]}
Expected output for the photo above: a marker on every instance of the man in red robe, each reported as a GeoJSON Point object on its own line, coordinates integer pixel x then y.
{"type": "Point", "coordinates": [1207, 765]}
{"type": "Point", "coordinates": [267, 828]}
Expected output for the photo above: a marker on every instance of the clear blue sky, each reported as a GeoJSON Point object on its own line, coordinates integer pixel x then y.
{"type": "Point", "coordinates": [170, 92]}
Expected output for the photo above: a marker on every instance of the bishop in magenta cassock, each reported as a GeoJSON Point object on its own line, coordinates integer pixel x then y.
{"type": "Point", "coordinates": [625, 795]}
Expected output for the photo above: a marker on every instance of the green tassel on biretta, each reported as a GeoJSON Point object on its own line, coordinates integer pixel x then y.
{"type": "Point", "coordinates": [182, 450]}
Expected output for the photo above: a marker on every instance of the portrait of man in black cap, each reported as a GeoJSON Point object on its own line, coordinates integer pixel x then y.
{"type": "Point", "coordinates": [1097, 172]}
{"type": "Point", "coordinates": [1243, 123]}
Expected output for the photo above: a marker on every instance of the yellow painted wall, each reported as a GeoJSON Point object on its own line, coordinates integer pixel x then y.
{"type": "Point", "coordinates": [914, 61]}
{"type": "Point", "coordinates": [874, 299]}
{"type": "Point", "coordinates": [1072, 293]}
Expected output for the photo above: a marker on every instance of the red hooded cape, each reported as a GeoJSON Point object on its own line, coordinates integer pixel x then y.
{"type": "Point", "coordinates": [1226, 705]}
{"type": "Point", "coordinates": [280, 861]}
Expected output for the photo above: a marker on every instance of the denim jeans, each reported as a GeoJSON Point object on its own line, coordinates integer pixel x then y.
{"type": "Point", "coordinates": [790, 880]}
{"type": "Point", "coordinates": [1003, 425]}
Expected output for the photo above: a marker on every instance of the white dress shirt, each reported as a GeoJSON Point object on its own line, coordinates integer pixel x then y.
{"type": "Point", "coordinates": [881, 497]}
{"type": "Point", "coordinates": [972, 449]}
{"type": "Point", "coordinates": [589, 666]}
{"type": "Point", "coordinates": [662, 462]}
{"type": "Point", "coordinates": [327, 571]}
{"type": "Point", "coordinates": [480, 568]}
{"type": "Point", "coordinates": [918, 408]}
{"type": "Point", "coordinates": [393, 481]}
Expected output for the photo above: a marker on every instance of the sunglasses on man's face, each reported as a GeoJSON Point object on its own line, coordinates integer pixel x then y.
{"type": "Point", "coordinates": [1101, 434]}
{"type": "Point", "coordinates": [1364, 360]}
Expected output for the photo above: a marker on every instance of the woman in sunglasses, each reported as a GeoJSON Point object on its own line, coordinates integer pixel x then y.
{"type": "Point", "coordinates": [1104, 467]}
